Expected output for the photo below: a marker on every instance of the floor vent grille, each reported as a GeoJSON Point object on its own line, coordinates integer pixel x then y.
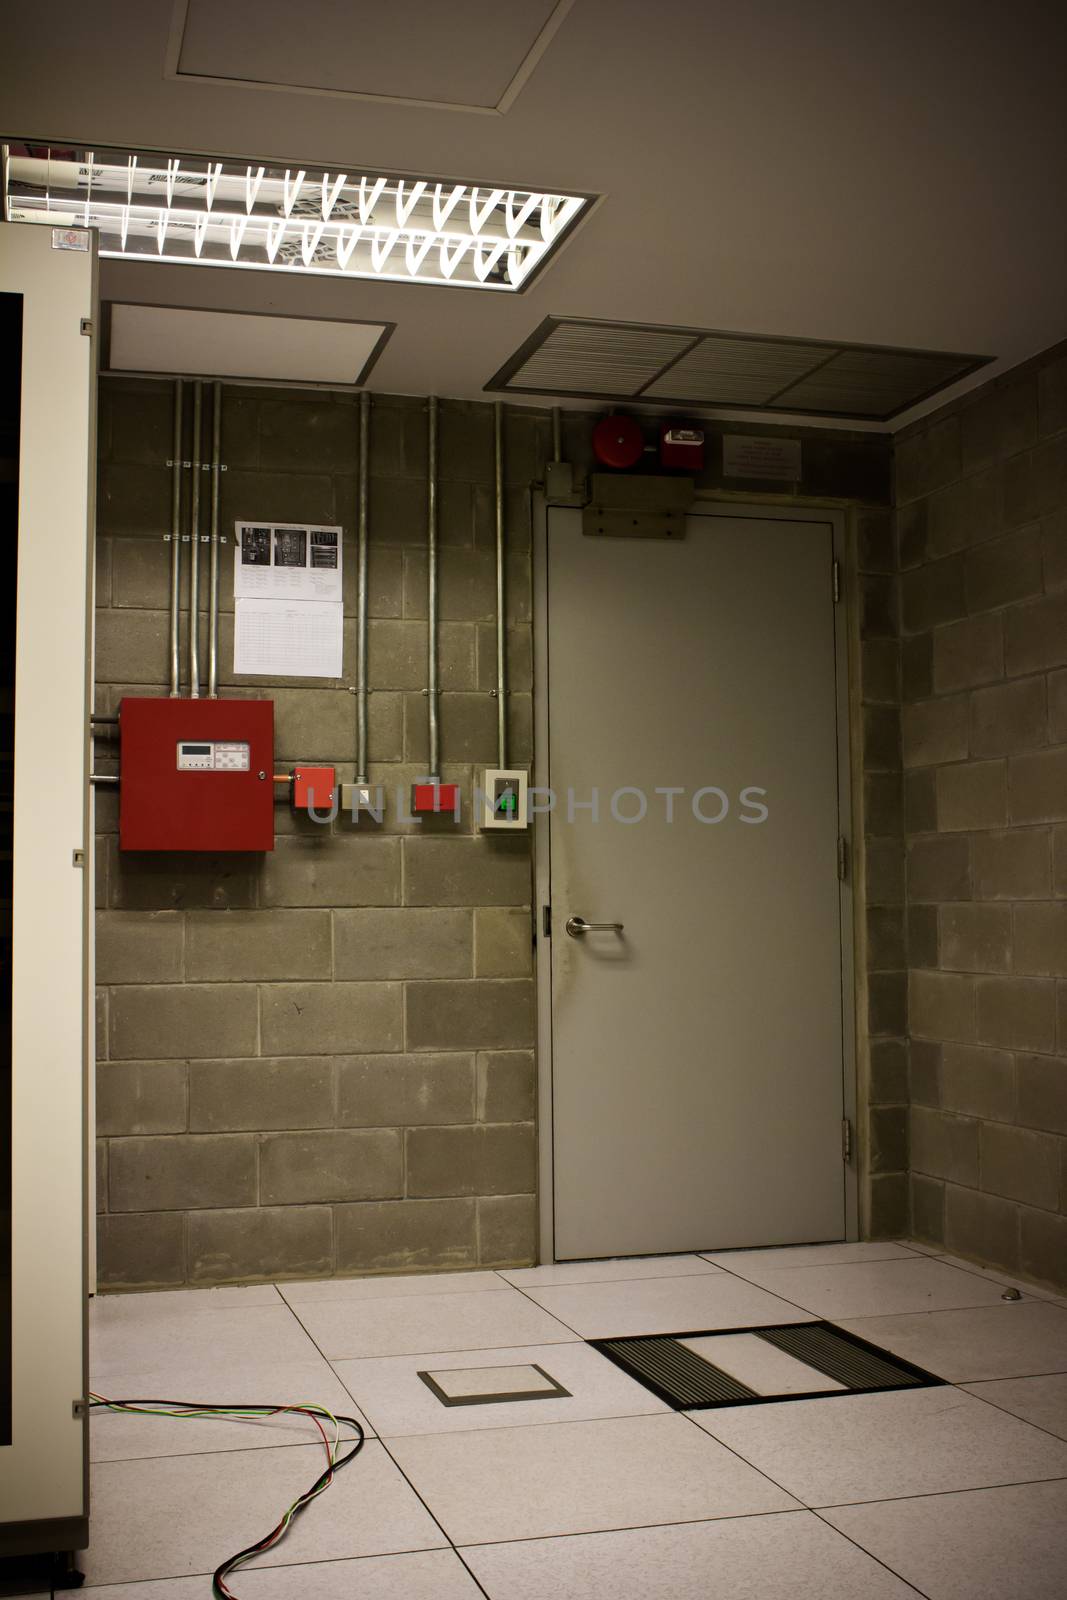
{"type": "Point", "coordinates": [824, 1362]}
{"type": "Point", "coordinates": [685, 367]}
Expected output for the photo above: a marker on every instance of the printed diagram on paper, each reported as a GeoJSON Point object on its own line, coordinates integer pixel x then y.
{"type": "Point", "coordinates": [286, 561]}
{"type": "Point", "coordinates": [289, 610]}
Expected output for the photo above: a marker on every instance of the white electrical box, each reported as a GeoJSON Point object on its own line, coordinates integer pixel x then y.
{"type": "Point", "coordinates": [504, 800]}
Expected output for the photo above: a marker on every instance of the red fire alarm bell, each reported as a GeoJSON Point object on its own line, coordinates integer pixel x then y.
{"type": "Point", "coordinates": [196, 774]}
{"type": "Point", "coordinates": [618, 442]}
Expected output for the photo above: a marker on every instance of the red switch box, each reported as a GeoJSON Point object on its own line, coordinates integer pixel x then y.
{"type": "Point", "coordinates": [196, 774]}
{"type": "Point", "coordinates": [428, 799]}
{"type": "Point", "coordinates": [313, 786]}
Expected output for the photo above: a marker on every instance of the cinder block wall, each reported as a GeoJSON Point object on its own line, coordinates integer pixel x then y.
{"type": "Point", "coordinates": [982, 495]}
{"type": "Point", "coordinates": [321, 1060]}
{"type": "Point", "coordinates": [878, 881]}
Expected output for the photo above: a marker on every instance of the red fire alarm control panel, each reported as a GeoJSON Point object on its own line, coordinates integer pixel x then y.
{"type": "Point", "coordinates": [196, 774]}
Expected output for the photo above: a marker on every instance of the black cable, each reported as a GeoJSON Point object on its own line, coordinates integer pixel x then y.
{"type": "Point", "coordinates": [280, 1529]}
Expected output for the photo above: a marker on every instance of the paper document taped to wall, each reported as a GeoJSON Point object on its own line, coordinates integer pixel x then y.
{"type": "Point", "coordinates": [286, 561]}
{"type": "Point", "coordinates": [289, 610]}
{"type": "Point", "coordinates": [288, 638]}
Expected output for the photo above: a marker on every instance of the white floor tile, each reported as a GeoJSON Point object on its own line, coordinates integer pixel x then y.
{"type": "Point", "coordinates": [391, 1391]}
{"type": "Point", "coordinates": [388, 1288]}
{"type": "Point", "coordinates": [230, 1297]}
{"type": "Point", "coordinates": [987, 1545]}
{"type": "Point", "coordinates": [994, 1275]}
{"type": "Point", "coordinates": [788, 1557]}
{"type": "Point", "coordinates": [808, 1255]}
{"type": "Point", "coordinates": [876, 1288]}
{"type": "Point", "coordinates": [408, 1325]}
{"type": "Point", "coordinates": [995, 1341]}
{"type": "Point", "coordinates": [759, 1365]}
{"type": "Point", "coordinates": [118, 1436]}
{"type": "Point", "coordinates": [882, 1446]}
{"type": "Point", "coordinates": [615, 1270]}
{"type": "Point", "coordinates": [694, 1304]}
{"type": "Point", "coordinates": [579, 1477]}
{"type": "Point", "coordinates": [1042, 1401]}
{"type": "Point", "coordinates": [183, 1514]}
{"type": "Point", "coordinates": [139, 1334]}
{"type": "Point", "coordinates": [426, 1575]}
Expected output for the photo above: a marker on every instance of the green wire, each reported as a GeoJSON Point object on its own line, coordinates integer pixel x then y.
{"type": "Point", "coordinates": [242, 1413]}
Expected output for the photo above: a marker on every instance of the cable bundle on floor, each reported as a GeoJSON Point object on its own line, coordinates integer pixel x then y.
{"type": "Point", "coordinates": [248, 1413]}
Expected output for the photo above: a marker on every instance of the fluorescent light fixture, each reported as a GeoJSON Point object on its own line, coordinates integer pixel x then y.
{"type": "Point", "coordinates": [202, 211]}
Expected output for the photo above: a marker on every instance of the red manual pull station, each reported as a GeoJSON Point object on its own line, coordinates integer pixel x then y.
{"type": "Point", "coordinates": [681, 447]}
{"type": "Point", "coordinates": [312, 787]}
{"type": "Point", "coordinates": [429, 799]}
{"type": "Point", "coordinates": [618, 442]}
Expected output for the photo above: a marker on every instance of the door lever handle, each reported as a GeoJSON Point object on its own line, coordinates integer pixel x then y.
{"type": "Point", "coordinates": [577, 926]}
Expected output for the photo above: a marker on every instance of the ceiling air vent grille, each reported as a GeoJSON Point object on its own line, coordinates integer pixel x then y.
{"type": "Point", "coordinates": [614, 361]}
{"type": "Point", "coordinates": [703, 367]}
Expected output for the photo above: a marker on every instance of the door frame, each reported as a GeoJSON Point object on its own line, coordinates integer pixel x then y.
{"type": "Point", "coordinates": [704, 506]}
{"type": "Point", "coordinates": [44, 1473]}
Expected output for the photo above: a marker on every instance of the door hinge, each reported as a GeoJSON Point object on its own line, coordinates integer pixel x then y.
{"type": "Point", "coordinates": [837, 580]}
{"type": "Point", "coordinates": [842, 857]}
{"type": "Point", "coordinates": [86, 326]}
{"type": "Point", "coordinates": [846, 1142]}
{"type": "Point", "coordinates": [546, 922]}
{"type": "Point", "coordinates": [78, 858]}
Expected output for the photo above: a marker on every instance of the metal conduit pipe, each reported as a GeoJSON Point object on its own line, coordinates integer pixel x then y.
{"type": "Point", "coordinates": [431, 591]}
{"type": "Point", "coordinates": [557, 440]}
{"type": "Point", "coordinates": [361, 590]}
{"type": "Point", "coordinates": [176, 542]}
{"type": "Point", "coordinates": [213, 579]}
{"type": "Point", "coordinates": [501, 619]}
{"type": "Point", "coordinates": [194, 549]}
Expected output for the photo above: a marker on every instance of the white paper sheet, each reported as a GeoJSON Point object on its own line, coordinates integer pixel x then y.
{"type": "Point", "coordinates": [286, 561]}
{"type": "Point", "coordinates": [288, 638]}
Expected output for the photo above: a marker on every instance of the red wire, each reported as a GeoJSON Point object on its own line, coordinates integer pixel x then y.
{"type": "Point", "coordinates": [271, 1539]}
{"type": "Point", "coordinates": [275, 1534]}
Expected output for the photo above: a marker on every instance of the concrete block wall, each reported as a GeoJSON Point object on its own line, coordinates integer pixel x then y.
{"type": "Point", "coordinates": [878, 882]}
{"type": "Point", "coordinates": [981, 490]}
{"type": "Point", "coordinates": [321, 1060]}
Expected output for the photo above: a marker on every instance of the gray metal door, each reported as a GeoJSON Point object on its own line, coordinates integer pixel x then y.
{"type": "Point", "coordinates": [697, 1054]}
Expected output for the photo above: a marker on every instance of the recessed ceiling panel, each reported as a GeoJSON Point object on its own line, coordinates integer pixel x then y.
{"type": "Point", "coordinates": [463, 53]}
{"type": "Point", "coordinates": [735, 371]}
{"type": "Point", "coordinates": [230, 344]}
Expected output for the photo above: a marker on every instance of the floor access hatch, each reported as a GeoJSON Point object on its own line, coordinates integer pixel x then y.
{"type": "Point", "coordinates": [753, 1366]}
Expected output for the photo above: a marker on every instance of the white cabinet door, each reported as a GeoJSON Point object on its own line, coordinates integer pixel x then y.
{"type": "Point", "coordinates": [43, 1462]}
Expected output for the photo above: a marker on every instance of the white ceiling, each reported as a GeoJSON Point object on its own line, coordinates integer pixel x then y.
{"type": "Point", "coordinates": [837, 169]}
